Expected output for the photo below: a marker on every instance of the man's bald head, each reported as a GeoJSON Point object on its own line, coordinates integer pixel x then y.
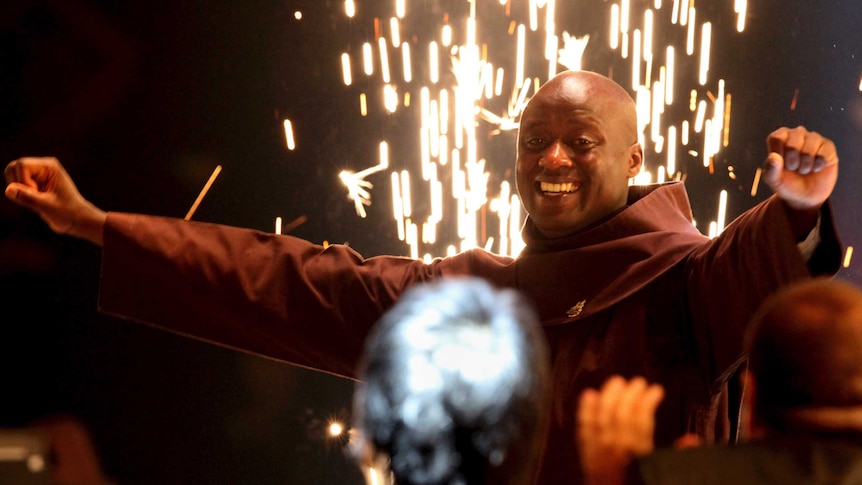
{"type": "Point", "coordinates": [602, 89]}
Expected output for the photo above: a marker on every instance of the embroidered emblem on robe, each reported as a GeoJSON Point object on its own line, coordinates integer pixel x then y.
{"type": "Point", "coordinates": [577, 309]}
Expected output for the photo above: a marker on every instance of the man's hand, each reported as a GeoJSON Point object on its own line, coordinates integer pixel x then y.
{"type": "Point", "coordinates": [43, 186]}
{"type": "Point", "coordinates": [802, 167]}
{"type": "Point", "coordinates": [616, 424]}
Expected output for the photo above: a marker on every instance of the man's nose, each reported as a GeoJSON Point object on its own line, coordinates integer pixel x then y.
{"type": "Point", "coordinates": [555, 156]}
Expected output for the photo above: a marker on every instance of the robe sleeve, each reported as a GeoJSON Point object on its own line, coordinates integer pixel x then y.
{"type": "Point", "coordinates": [729, 277]}
{"type": "Point", "coordinates": [277, 296]}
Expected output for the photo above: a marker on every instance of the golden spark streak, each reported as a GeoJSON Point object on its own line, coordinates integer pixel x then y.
{"type": "Point", "coordinates": [756, 182]}
{"type": "Point", "coordinates": [203, 193]}
{"type": "Point", "coordinates": [288, 135]}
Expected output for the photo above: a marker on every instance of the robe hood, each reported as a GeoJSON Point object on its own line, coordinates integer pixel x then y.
{"type": "Point", "coordinates": [575, 276]}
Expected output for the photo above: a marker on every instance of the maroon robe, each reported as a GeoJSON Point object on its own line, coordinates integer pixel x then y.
{"type": "Point", "coordinates": [642, 293]}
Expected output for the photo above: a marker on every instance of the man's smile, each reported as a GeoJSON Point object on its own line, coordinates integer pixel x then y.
{"type": "Point", "coordinates": [558, 189]}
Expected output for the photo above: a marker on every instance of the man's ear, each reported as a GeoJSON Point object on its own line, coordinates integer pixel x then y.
{"type": "Point", "coordinates": [636, 159]}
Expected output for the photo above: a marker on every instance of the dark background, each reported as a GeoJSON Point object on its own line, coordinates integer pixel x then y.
{"type": "Point", "coordinates": [142, 99]}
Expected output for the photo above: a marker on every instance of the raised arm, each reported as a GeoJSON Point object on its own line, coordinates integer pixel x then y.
{"type": "Point", "coordinates": [801, 169]}
{"type": "Point", "coordinates": [43, 186]}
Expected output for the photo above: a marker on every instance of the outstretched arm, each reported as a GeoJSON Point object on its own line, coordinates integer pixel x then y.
{"type": "Point", "coordinates": [616, 424]}
{"type": "Point", "coordinates": [43, 186]}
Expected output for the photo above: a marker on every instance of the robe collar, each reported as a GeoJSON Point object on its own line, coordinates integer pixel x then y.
{"type": "Point", "coordinates": [575, 276]}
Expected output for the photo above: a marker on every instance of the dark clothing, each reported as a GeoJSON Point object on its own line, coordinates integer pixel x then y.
{"type": "Point", "coordinates": [643, 293]}
{"type": "Point", "coordinates": [803, 460]}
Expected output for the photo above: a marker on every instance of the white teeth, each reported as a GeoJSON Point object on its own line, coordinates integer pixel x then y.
{"type": "Point", "coordinates": [557, 188]}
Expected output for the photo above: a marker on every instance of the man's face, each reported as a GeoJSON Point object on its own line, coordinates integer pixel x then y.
{"type": "Point", "coordinates": [577, 148]}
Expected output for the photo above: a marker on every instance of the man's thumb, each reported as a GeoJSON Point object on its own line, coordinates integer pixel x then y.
{"type": "Point", "coordinates": [772, 169]}
{"type": "Point", "coordinates": [25, 196]}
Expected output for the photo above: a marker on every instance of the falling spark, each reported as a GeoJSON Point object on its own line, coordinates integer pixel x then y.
{"type": "Point", "coordinates": [615, 26]}
{"type": "Point", "coordinates": [384, 59]}
{"type": "Point", "coordinates": [689, 44]}
{"type": "Point", "coordinates": [396, 32]}
{"type": "Point", "coordinates": [705, 40]}
{"type": "Point", "coordinates": [573, 50]}
{"type": "Point", "coordinates": [848, 255]}
{"type": "Point", "coordinates": [794, 100]}
{"type": "Point", "coordinates": [203, 193]}
{"type": "Point", "coordinates": [367, 59]}
{"type": "Point", "coordinates": [405, 60]}
{"type": "Point", "coordinates": [345, 69]}
{"type": "Point", "coordinates": [288, 135]}
{"type": "Point", "coordinates": [722, 211]}
{"type": "Point", "coordinates": [278, 225]}
{"type": "Point", "coordinates": [294, 224]}
{"type": "Point", "coordinates": [756, 183]}
{"type": "Point", "coordinates": [349, 8]}
{"type": "Point", "coordinates": [357, 187]}
{"type": "Point", "coordinates": [740, 7]}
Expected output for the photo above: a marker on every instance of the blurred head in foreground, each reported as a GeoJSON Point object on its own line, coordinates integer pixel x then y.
{"type": "Point", "coordinates": [805, 364]}
{"type": "Point", "coordinates": [455, 387]}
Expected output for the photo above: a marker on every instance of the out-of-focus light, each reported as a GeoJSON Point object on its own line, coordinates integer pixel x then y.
{"type": "Point", "coordinates": [335, 429]}
{"type": "Point", "coordinates": [297, 15]}
{"type": "Point", "coordinates": [349, 8]}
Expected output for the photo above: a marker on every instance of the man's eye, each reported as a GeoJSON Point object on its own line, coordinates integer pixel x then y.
{"type": "Point", "coordinates": [584, 143]}
{"type": "Point", "coordinates": [536, 142]}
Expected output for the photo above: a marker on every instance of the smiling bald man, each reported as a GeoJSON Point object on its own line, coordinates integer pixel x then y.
{"type": "Point", "coordinates": [623, 282]}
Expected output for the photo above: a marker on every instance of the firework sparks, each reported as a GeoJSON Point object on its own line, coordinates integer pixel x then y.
{"type": "Point", "coordinates": [473, 83]}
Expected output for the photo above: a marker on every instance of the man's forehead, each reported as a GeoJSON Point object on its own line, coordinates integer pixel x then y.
{"type": "Point", "coordinates": [542, 114]}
